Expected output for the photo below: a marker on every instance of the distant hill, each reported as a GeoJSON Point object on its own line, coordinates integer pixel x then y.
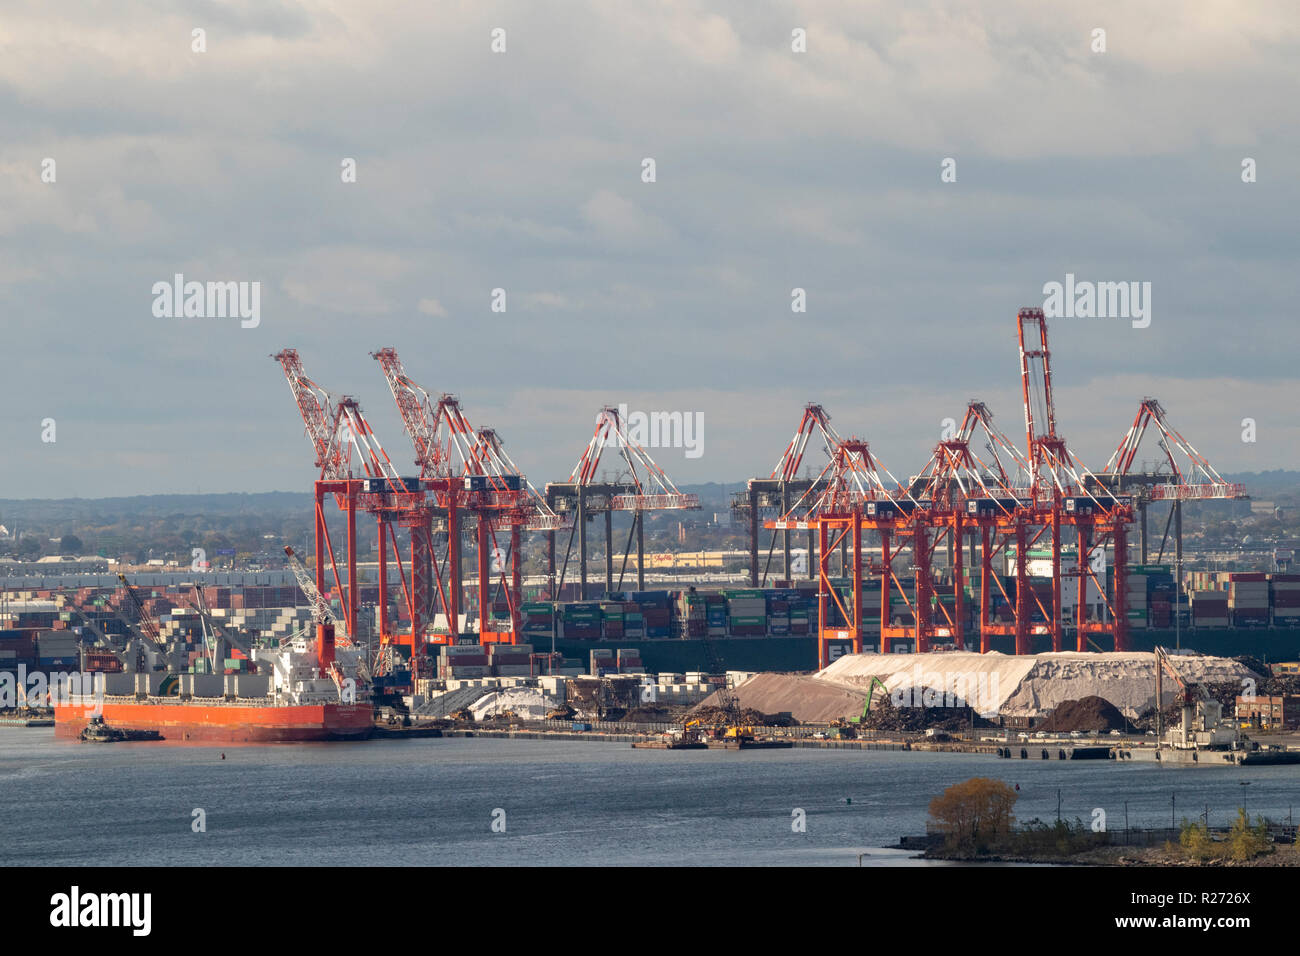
{"type": "Point", "coordinates": [1266, 484]}
{"type": "Point", "coordinates": [60, 510]}
{"type": "Point", "coordinates": [714, 496]}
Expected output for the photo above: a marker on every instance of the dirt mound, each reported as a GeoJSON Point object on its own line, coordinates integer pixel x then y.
{"type": "Point", "coordinates": [1089, 714]}
{"type": "Point", "coordinates": [806, 699]}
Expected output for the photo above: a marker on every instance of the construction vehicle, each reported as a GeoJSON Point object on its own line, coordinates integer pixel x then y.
{"type": "Point", "coordinates": [847, 727]}
{"type": "Point", "coordinates": [871, 691]}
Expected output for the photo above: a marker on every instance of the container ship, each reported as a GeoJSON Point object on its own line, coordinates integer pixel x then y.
{"type": "Point", "coordinates": [307, 690]}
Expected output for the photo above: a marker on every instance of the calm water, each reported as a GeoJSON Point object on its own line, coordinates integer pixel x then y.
{"type": "Point", "coordinates": [429, 802]}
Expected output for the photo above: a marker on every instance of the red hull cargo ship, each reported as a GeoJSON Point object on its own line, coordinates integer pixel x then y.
{"type": "Point", "coordinates": [215, 721]}
{"type": "Point", "coordinates": [304, 690]}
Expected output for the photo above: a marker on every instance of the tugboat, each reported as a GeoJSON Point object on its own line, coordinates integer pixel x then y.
{"type": "Point", "coordinates": [98, 732]}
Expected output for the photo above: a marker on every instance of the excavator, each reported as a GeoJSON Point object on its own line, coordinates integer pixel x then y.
{"type": "Point", "coordinates": [733, 726]}
{"type": "Point", "coordinates": [852, 724]}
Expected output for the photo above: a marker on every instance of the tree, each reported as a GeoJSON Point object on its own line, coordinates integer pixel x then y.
{"type": "Point", "coordinates": [1194, 837]}
{"type": "Point", "coordinates": [70, 544]}
{"type": "Point", "coordinates": [1246, 842]}
{"type": "Point", "coordinates": [974, 815]}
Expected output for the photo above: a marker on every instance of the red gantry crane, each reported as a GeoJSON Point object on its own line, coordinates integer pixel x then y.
{"type": "Point", "coordinates": [849, 494]}
{"type": "Point", "coordinates": [487, 485]}
{"type": "Point", "coordinates": [338, 431]}
{"type": "Point", "coordinates": [1062, 493]}
{"type": "Point", "coordinates": [976, 498]}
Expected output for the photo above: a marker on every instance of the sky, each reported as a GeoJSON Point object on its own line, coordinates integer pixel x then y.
{"type": "Point", "coordinates": [523, 169]}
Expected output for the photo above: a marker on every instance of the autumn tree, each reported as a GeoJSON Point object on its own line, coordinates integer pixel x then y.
{"type": "Point", "coordinates": [973, 815]}
{"type": "Point", "coordinates": [1245, 842]}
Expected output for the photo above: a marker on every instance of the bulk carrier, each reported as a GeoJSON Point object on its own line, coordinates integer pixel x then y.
{"type": "Point", "coordinates": [308, 690]}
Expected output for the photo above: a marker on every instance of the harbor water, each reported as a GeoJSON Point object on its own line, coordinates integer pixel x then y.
{"type": "Point", "coordinates": [518, 802]}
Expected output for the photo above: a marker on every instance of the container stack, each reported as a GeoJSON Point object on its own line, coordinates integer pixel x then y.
{"type": "Point", "coordinates": [1209, 608]}
{"type": "Point", "coordinates": [1248, 599]}
{"type": "Point", "coordinates": [633, 621]}
{"type": "Point", "coordinates": [746, 613]}
{"type": "Point", "coordinates": [57, 651]}
{"type": "Point", "coordinates": [538, 617]}
{"type": "Point", "coordinates": [802, 612]}
{"type": "Point", "coordinates": [657, 608]}
{"type": "Point", "coordinates": [462, 662]}
{"type": "Point", "coordinates": [1286, 600]}
{"type": "Point", "coordinates": [1135, 599]}
{"type": "Point", "coordinates": [510, 660]}
{"type": "Point", "coordinates": [778, 613]}
{"type": "Point", "coordinates": [692, 610]}
{"type": "Point", "coordinates": [629, 662]}
{"type": "Point", "coordinates": [581, 622]}
{"type": "Point", "coordinates": [611, 613]}
{"type": "Point", "coordinates": [715, 614]}
{"type": "Point", "coordinates": [603, 662]}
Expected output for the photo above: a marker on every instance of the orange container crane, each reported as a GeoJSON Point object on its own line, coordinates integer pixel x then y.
{"type": "Point", "coordinates": [976, 497]}
{"type": "Point", "coordinates": [484, 482]}
{"type": "Point", "coordinates": [1064, 494]}
{"type": "Point", "coordinates": [852, 492]}
{"type": "Point", "coordinates": [372, 485]}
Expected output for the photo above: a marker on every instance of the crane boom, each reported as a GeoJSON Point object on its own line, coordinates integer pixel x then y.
{"type": "Point", "coordinates": [320, 608]}
{"type": "Point", "coordinates": [148, 627]}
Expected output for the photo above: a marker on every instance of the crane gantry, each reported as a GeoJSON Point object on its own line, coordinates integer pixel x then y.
{"type": "Point", "coordinates": [979, 495]}
{"type": "Point", "coordinates": [637, 485]}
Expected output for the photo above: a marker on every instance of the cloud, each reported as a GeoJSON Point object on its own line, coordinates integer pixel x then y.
{"type": "Point", "coordinates": [350, 279]}
{"type": "Point", "coordinates": [621, 220]}
{"type": "Point", "coordinates": [432, 307]}
{"type": "Point", "coordinates": [522, 171]}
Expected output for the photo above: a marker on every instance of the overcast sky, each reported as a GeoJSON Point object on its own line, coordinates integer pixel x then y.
{"type": "Point", "coordinates": [522, 170]}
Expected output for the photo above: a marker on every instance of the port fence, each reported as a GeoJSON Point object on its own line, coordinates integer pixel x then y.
{"type": "Point", "coordinates": [1284, 833]}
{"type": "Point", "coordinates": [611, 726]}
